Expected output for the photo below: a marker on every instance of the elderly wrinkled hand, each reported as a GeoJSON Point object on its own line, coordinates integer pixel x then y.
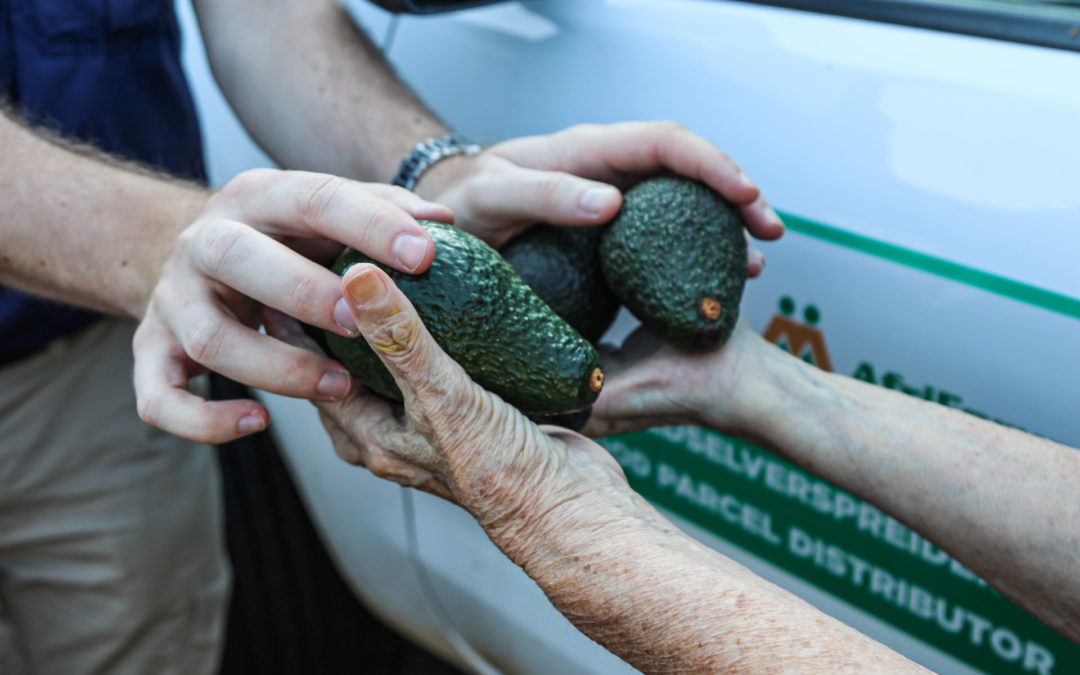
{"type": "Point", "coordinates": [649, 384]}
{"type": "Point", "coordinates": [260, 241]}
{"type": "Point", "coordinates": [573, 177]}
{"type": "Point", "coordinates": [455, 439]}
{"type": "Point", "coordinates": [558, 505]}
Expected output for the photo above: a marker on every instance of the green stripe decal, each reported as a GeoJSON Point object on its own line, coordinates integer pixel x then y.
{"type": "Point", "coordinates": [1039, 297]}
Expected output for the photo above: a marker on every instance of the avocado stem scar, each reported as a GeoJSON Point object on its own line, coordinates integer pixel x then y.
{"type": "Point", "coordinates": [710, 308]}
{"type": "Point", "coordinates": [596, 380]}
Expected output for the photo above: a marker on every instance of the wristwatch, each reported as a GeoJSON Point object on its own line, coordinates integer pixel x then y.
{"type": "Point", "coordinates": [427, 153]}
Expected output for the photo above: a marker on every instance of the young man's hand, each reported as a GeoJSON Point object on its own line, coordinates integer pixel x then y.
{"type": "Point", "coordinates": [251, 245]}
{"type": "Point", "coordinates": [573, 178]}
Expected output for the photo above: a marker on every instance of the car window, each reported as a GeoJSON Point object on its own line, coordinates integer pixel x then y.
{"type": "Point", "coordinates": [1048, 23]}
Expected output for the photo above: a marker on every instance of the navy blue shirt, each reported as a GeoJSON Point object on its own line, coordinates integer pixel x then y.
{"type": "Point", "coordinates": [106, 72]}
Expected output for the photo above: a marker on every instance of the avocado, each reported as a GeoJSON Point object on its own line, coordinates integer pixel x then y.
{"type": "Point", "coordinates": [575, 421]}
{"type": "Point", "coordinates": [562, 266]}
{"type": "Point", "coordinates": [488, 320]}
{"type": "Point", "coordinates": [675, 255]}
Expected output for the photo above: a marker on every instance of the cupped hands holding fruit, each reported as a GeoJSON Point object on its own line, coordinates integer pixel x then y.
{"type": "Point", "coordinates": [573, 177]}
{"type": "Point", "coordinates": [675, 256]}
{"type": "Point", "coordinates": [558, 505]}
{"type": "Point", "coordinates": [479, 310]}
{"type": "Point", "coordinates": [252, 244]}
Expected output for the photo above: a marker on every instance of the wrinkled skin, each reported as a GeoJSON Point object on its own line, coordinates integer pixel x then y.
{"type": "Point", "coordinates": [958, 480]}
{"type": "Point", "coordinates": [252, 244]}
{"type": "Point", "coordinates": [558, 505]}
{"type": "Point", "coordinates": [456, 440]}
{"type": "Point", "coordinates": [650, 384]}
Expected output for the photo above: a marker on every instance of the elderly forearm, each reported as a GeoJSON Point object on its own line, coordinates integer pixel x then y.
{"type": "Point", "coordinates": [978, 490]}
{"type": "Point", "coordinates": [311, 87]}
{"type": "Point", "coordinates": [82, 227]}
{"type": "Point", "coordinates": [630, 580]}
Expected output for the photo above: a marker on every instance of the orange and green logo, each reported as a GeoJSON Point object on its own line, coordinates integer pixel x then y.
{"type": "Point", "coordinates": [804, 340]}
{"type": "Point", "coordinates": [830, 538]}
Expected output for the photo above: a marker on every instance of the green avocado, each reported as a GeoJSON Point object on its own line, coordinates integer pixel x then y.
{"type": "Point", "coordinates": [575, 421]}
{"type": "Point", "coordinates": [675, 255]}
{"type": "Point", "coordinates": [488, 320]}
{"type": "Point", "coordinates": [562, 266]}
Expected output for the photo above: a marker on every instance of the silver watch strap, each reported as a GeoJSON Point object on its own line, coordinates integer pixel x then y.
{"type": "Point", "coordinates": [426, 153]}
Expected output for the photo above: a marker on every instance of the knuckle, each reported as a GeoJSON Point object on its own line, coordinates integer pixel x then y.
{"type": "Point", "coordinates": [349, 454]}
{"type": "Point", "coordinates": [306, 293]}
{"type": "Point", "coordinates": [549, 189]}
{"type": "Point", "coordinates": [380, 465]}
{"type": "Point", "coordinates": [398, 338]}
{"type": "Point", "coordinates": [149, 409]}
{"type": "Point", "coordinates": [245, 183]}
{"type": "Point", "coordinates": [454, 410]}
{"type": "Point", "coordinates": [671, 127]}
{"type": "Point", "coordinates": [141, 338]}
{"type": "Point", "coordinates": [188, 241]}
{"type": "Point", "coordinates": [202, 339]}
{"type": "Point", "coordinates": [317, 197]}
{"type": "Point", "coordinates": [473, 192]}
{"type": "Point", "coordinates": [582, 128]}
{"type": "Point", "coordinates": [400, 195]}
{"type": "Point", "coordinates": [220, 246]}
{"type": "Point", "coordinates": [374, 219]}
{"type": "Point", "coordinates": [298, 376]}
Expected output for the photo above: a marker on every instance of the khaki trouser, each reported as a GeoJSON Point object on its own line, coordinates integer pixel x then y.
{"type": "Point", "coordinates": [111, 538]}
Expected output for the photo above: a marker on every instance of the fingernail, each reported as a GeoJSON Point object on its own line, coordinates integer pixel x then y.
{"type": "Point", "coordinates": [249, 424]}
{"type": "Point", "coordinates": [596, 199]}
{"type": "Point", "coordinates": [410, 250]}
{"type": "Point", "coordinates": [335, 384]}
{"type": "Point", "coordinates": [343, 318]}
{"type": "Point", "coordinates": [365, 288]}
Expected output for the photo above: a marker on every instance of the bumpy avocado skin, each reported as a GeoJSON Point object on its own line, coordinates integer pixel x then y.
{"type": "Point", "coordinates": [562, 266]}
{"type": "Point", "coordinates": [488, 320]}
{"type": "Point", "coordinates": [675, 242]}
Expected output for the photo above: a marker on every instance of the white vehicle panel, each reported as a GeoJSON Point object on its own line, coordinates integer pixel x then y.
{"type": "Point", "coordinates": [927, 140]}
{"type": "Point", "coordinates": [956, 147]}
{"type": "Point", "coordinates": [953, 146]}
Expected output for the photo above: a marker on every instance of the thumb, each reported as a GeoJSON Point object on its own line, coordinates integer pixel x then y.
{"type": "Point", "coordinates": [389, 322]}
{"type": "Point", "coordinates": [554, 197]}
